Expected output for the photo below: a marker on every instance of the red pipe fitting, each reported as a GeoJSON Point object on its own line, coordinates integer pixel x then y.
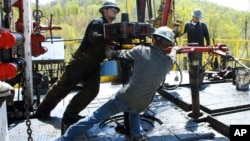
{"type": "Point", "coordinates": [8, 71]}
{"type": "Point", "coordinates": [7, 40]}
{"type": "Point", "coordinates": [220, 49]}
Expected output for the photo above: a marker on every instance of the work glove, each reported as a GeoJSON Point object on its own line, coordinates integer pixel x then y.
{"type": "Point", "coordinates": [109, 52]}
{"type": "Point", "coordinates": [177, 49]}
{"type": "Point", "coordinates": [5, 87]}
{"type": "Point", "coordinates": [174, 51]}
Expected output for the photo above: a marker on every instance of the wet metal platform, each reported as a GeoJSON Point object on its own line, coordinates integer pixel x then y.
{"type": "Point", "coordinates": [169, 123]}
{"type": "Point", "coordinates": [214, 98]}
{"type": "Point", "coordinates": [222, 103]}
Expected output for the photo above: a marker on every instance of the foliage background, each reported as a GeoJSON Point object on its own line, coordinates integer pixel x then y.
{"type": "Point", "coordinates": [74, 15]}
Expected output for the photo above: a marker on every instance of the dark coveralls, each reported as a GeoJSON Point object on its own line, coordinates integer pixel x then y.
{"type": "Point", "coordinates": [196, 34]}
{"type": "Point", "coordinates": [84, 66]}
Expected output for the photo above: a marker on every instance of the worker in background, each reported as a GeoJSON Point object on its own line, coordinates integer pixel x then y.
{"type": "Point", "coordinates": [84, 66]}
{"type": "Point", "coordinates": [197, 31]}
{"type": "Point", "coordinates": [150, 66]}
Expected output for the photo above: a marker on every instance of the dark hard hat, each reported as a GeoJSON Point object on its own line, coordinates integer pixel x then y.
{"type": "Point", "coordinates": [109, 3]}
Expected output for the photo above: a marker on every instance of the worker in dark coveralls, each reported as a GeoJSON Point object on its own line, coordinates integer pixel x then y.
{"type": "Point", "coordinates": [84, 66]}
{"type": "Point", "coordinates": [150, 66]}
{"type": "Point", "coordinates": [197, 31]}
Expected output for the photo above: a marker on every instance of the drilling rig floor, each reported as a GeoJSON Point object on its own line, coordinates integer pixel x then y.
{"type": "Point", "coordinates": [166, 119]}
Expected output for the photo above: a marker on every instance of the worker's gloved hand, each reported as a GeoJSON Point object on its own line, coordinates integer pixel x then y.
{"type": "Point", "coordinates": [109, 52]}
{"type": "Point", "coordinates": [177, 49]}
{"type": "Point", "coordinates": [117, 46]}
{"type": "Point", "coordinates": [5, 87]}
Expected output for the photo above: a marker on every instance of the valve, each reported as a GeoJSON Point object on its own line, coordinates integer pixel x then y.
{"type": "Point", "coordinates": [36, 37]}
{"type": "Point", "coordinates": [7, 39]}
{"type": "Point", "coordinates": [50, 28]}
{"type": "Point", "coordinates": [36, 44]}
{"type": "Point", "coordinates": [9, 66]}
{"type": "Point", "coordinates": [10, 70]}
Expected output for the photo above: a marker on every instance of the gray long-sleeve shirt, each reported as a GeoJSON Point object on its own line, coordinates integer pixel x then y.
{"type": "Point", "coordinates": [150, 66]}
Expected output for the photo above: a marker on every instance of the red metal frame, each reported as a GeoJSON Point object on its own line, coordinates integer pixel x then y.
{"type": "Point", "coordinates": [166, 12]}
{"type": "Point", "coordinates": [219, 49]}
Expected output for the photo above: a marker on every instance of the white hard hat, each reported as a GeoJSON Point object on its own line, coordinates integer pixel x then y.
{"type": "Point", "coordinates": [109, 3]}
{"type": "Point", "coordinates": [197, 13]}
{"type": "Point", "coordinates": [165, 32]}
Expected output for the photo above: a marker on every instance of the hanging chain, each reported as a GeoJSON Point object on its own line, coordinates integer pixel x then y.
{"type": "Point", "coordinates": [37, 14]}
{"type": "Point", "coordinates": [37, 18]}
{"type": "Point", "coordinates": [26, 106]}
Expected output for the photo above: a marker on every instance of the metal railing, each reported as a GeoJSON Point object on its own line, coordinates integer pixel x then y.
{"type": "Point", "coordinates": [236, 47]}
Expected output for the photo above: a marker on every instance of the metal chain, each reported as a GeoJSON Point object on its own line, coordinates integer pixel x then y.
{"type": "Point", "coordinates": [37, 1]}
{"type": "Point", "coordinates": [26, 106]}
{"type": "Point", "coordinates": [37, 14]}
{"type": "Point", "coordinates": [37, 18]}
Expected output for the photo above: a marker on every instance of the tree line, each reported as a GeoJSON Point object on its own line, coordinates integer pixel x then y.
{"type": "Point", "coordinates": [74, 15]}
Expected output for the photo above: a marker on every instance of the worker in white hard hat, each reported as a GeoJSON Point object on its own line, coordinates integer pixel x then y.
{"type": "Point", "coordinates": [109, 4]}
{"type": "Point", "coordinates": [84, 67]}
{"type": "Point", "coordinates": [197, 13]}
{"type": "Point", "coordinates": [150, 66]}
{"type": "Point", "coordinates": [197, 31]}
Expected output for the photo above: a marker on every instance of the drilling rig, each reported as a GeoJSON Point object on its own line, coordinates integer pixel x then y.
{"type": "Point", "coordinates": [21, 40]}
{"type": "Point", "coordinates": [129, 34]}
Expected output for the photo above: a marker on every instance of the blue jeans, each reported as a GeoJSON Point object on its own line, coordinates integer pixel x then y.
{"type": "Point", "coordinates": [110, 108]}
{"type": "Point", "coordinates": [200, 60]}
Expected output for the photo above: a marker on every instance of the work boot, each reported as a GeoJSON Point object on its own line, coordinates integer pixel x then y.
{"type": "Point", "coordinates": [67, 121]}
{"type": "Point", "coordinates": [140, 138]}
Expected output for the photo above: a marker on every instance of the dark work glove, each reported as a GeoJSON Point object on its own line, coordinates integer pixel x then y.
{"type": "Point", "coordinates": [109, 52]}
